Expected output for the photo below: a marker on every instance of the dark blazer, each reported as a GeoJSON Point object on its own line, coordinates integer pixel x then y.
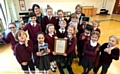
{"type": "Point", "coordinates": [107, 58]}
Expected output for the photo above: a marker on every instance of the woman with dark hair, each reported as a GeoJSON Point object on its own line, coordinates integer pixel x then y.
{"type": "Point", "coordinates": [36, 9]}
{"type": "Point", "coordinates": [78, 11]}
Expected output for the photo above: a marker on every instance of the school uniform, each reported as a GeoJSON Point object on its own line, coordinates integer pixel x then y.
{"type": "Point", "coordinates": [10, 39]}
{"type": "Point", "coordinates": [58, 20]}
{"type": "Point", "coordinates": [49, 38]}
{"type": "Point", "coordinates": [71, 43]}
{"type": "Point", "coordinates": [79, 17]}
{"type": "Point", "coordinates": [106, 59]}
{"type": "Point", "coordinates": [23, 54]}
{"type": "Point", "coordinates": [80, 29]}
{"type": "Point", "coordinates": [61, 33]}
{"type": "Point", "coordinates": [33, 29]}
{"type": "Point", "coordinates": [91, 55]}
{"type": "Point", "coordinates": [97, 29]}
{"type": "Point", "coordinates": [42, 60]}
{"type": "Point", "coordinates": [81, 45]}
{"type": "Point", "coordinates": [48, 20]}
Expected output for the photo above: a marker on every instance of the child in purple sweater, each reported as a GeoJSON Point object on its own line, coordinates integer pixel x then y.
{"type": "Point", "coordinates": [23, 51]}
{"type": "Point", "coordinates": [33, 28]}
{"type": "Point", "coordinates": [10, 36]}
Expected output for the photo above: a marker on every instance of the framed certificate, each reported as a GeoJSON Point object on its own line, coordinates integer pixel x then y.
{"type": "Point", "coordinates": [60, 45]}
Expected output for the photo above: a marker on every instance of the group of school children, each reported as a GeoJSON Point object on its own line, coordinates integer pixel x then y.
{"type": "Point", "coordinates": [38, 50]}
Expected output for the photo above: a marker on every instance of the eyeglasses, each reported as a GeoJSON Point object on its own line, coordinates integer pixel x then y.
{"type": "Point", "coordinates": [11, 27]}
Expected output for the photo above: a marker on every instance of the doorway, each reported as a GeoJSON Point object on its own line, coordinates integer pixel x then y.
{"type": "Point", "coordinates": [117, 7]}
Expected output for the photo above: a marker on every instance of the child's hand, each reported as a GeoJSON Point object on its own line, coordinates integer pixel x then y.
{"type": "Point", "coordinates": [40, 53]}
{"type": "Point", "coordinates": [97, 49]}
{"type": "Point", "coordinates": [83, 37]}
{"type": "Point", "coordinates": [64, 54]}
{"type": "Point", "coordinates": [65, 38]}
{"type": "Point", "coordinates": [26, 43]}
{"type": "Point", "coordinates": [54, 53]}
{"type": "Point", "coordinates": [80, 22]}
{"type": "Point", "coordinates": [24, 63]}
{"type": "Point", "coordinates": [1, 36]}
{"type": "Point", "coordinates": [109, 52]}
{"type": "Point", "coordinates": [106, 49]}
{"type": "Point", "coordinates": [55, 37]}
{"type": "Point", "coordinates": [48, 51]}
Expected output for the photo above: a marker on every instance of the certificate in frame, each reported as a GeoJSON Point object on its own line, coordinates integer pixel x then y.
{"type": "Point", "coordinates": [60, 45]}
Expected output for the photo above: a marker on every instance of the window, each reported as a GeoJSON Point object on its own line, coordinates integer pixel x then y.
{"type": "Point", "coordinates": [2, 17]}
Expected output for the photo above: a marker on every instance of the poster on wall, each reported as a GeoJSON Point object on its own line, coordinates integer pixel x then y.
{"type": "Point", "coordinates": [1, 26]}
{"type": "Point", "coordinates": [22, 5]}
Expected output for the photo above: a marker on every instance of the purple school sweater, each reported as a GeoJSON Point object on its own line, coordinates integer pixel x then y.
{"type": "Point", "coordinates": [107, 58]}
{"type": "Point", "coordinates": [90, 52]}
{"type": "Point", "coordinates": [10, 39]}
{"type": "Point", "coordinates": [23, 53]}
{"type": "Point", "coordinates": [32, 31]}
{"type": "Point", "coordinates": [46, 21]}
{"type": "Point", "coordinates": [71, 43]}
{"type": "Point", "coordinates": [50, 41]}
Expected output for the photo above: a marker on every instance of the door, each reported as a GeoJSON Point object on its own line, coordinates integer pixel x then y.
{"type": "Point", "coordinates": [117, 7]}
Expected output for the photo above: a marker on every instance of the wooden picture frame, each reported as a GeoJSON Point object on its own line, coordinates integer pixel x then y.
{"type": "Point", "coordinates": [22, 5]}
{"type": "Point", "coordinates": [60, 45]}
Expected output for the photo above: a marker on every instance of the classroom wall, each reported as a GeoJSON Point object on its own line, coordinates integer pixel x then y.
{"type": "Point", "coordinates": [67, 5]}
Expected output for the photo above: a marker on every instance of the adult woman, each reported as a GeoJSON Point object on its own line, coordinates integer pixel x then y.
{"type": "Point", "coordinates": [78, 11]}
{"type": "Point", "coordinates": [36, 9]}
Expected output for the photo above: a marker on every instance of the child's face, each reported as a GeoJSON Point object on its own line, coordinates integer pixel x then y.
{"type": "Point", "coordinates": [12, 27]}
{"type": "Point", "coordinates": [37, 10]}
{"type": "Point", "coordinates": [22, 38]}
{"type": "Point", "coordinates": [94, 38]}
{"type": "Point", "coordinates": [51, 29]}
{"type": "Point", "coordinates": [74, 19]}
{"type": "Point", "coordinates": [70, 31]}
{"type": "Point", "coordinates": [40, 38]}
{"type": "Point", "coordinates": [62, 25]}
{"type": "Point", "coordinates": [95, 24]}
{"type": "Point", "coordinates": [33, 19]}
{"type": "Point", "coordinates": [87, 31]}
{"type": "Point", "coordinates": [112, 42]}
{"type": "Point", "coordinates": [78, 10]}
{"type": "Point", "coordinates": [60, 14]}
{"type": "Point", "coordinates": [49, 12]}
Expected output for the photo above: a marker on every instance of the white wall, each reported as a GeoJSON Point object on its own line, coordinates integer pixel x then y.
{"type": "Point", "coordinates": [66, 5]}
